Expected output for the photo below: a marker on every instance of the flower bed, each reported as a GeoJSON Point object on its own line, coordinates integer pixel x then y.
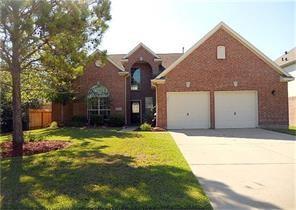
{"type": "Point", "coordinates": [31, 148]}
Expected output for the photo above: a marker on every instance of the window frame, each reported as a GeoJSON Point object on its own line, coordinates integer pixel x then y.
{"type": "Point", "coordinates": [221, 52]}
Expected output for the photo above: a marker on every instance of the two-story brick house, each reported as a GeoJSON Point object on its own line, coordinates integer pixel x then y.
{"type": "Point", "coordinates": [221, 82]}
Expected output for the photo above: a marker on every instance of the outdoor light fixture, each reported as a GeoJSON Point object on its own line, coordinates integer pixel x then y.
{"type": "Point", "coordinates": [235, 83]}
{"type": "Point", "coordinates": [187, 84]}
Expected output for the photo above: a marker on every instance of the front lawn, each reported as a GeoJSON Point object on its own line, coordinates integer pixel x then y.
{"type": "Point", "coordinates": [102, 169]}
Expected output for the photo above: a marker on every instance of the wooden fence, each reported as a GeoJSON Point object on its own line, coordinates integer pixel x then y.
{"type": "Point", "coordinates": [39, 118]}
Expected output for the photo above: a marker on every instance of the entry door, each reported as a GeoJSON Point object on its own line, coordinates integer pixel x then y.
{"type": "Point", "coordinates": [135, 112]}
{"type": "Point", "coordinates": [236, 109]}
{"type": "Point", "coordinates": [188, 110]}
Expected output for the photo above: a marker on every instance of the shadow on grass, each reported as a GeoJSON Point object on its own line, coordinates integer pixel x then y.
{"type": "Point", "coordinates": [97, 180]}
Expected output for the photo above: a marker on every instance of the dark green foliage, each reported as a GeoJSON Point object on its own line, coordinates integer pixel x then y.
{"type": "Point", "coordinates": [53, 125]}
{"type": "Point", "coordinates": [145, 127]}
{"type": "Point", "coordinates": [115, 121]}
{"type": "Point", "coordinates": [77, 121]}
{"type": "Point", "coordinates": [45, 46]}
{"type": "Point", "coordinates": [31, 137]}
{"type": "Point", "coordinates": [95, 120]}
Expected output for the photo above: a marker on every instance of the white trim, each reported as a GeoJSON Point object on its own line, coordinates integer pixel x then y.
{"type": "Point", "coordinates": [287, 79]}
{"type": "Point", "coordinates": [157, 59]}
{"type": "Point", "coordinates": [137, 47]}
{"type": "Point", "coordinates": [237, 37]}
{"type": "Point", "coordinates": [157, 81]}
{"type": "Point", "coordinates": [125, 73]}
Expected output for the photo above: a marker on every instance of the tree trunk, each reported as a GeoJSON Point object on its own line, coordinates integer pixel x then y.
{"type": "Point", "coordinates": [17, 132]}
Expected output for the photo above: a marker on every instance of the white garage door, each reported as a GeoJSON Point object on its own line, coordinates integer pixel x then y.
{"type": "Point", "coordinates": [236, 109]}
{"type": "Point", "coordinates": [188, 110]}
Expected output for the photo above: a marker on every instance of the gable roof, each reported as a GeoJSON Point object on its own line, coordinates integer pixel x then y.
{"type": "Point", "coordinates": [287, 58]}
{"type": "Point", "coordinates": [137, 47]}
{"type": "Point", "coordinates": [237, 37]}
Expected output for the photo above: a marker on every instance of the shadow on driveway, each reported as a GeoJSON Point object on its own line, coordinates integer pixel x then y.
{"type": "Point", "coordinates": [225, 198]}
{"type": "Point", "coordinates": [252, 133]}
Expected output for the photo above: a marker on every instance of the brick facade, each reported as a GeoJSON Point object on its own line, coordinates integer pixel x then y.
{"type": "Point", "coordinates": [107, 76]}
{"type": "Point", "coordinates": [144, 60]}
{"type": "Point", "coordinates": [207, 73]}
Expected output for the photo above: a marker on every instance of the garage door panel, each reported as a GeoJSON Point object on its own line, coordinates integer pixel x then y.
{"type": "Point", "coordinates": [236, 109]}
{"type": "Point", "coordinates": [187, 110]}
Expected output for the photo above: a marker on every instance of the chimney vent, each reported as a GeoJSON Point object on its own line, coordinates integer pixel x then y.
{"type": "Point", "coordinates": [183, 49]}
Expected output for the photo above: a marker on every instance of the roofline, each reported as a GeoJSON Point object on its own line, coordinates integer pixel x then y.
{"type": "Point", "coordinates": [237, 37]}
{"type": "Point", "coordinates": [287, 64]}
{"type": "Point", "coordinates": [137, 47]}
{"type": "Point", "coordinates": [110, 60]}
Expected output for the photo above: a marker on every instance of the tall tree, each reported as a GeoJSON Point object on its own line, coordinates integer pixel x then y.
{"type": "Point", "coordinates": [51, 36]}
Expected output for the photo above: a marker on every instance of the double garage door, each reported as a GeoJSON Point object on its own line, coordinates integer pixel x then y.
{"type": "Point", "coordinates": [233, 109]}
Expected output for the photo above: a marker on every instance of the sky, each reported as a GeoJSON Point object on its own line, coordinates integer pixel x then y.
{"type": "Point", "coordinates": [165, 26]}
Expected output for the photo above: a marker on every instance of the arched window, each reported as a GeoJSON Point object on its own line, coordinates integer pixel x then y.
{"type": "Point", "coordinates": [98, 102]}
{"type": "Point", "coordinates": [136, 79]}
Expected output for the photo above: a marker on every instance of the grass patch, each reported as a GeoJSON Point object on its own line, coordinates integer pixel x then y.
{"type": "Point", "coordinates": [291, 130]}
{"type": "Point", "coordinates": [102, 168]}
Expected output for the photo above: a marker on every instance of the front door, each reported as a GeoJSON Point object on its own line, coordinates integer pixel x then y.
{"type": "Point", "coordinates": [135, 112]}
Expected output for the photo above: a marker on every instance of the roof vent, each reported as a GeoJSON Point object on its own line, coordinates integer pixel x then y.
{"type": "Point", "coordinates": [282, 59]}
{"type": "Point", "coordinates": [286, 59]}
{"type": "Point", "coordinates": [286, 52]}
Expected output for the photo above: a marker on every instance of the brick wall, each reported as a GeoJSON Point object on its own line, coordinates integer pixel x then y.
{"type": "Point", "coordinates": [207, 73]}
{"type": "Point", "coordinates": [107, 76]}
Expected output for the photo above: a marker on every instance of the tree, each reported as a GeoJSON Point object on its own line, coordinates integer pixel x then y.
{"type": "Point", "coordinates": [52, 37]}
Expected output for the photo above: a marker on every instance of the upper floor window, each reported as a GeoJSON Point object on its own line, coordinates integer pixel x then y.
{"type": "Point", "coordinates": [135, 79]}
{"type": "Point", "coordinates": [221, 52]}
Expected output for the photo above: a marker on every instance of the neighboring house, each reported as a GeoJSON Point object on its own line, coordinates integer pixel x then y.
{"type": "Point", "coordinates": [288, 64]}
{"type": "Point", "coordinates": [221, 82]}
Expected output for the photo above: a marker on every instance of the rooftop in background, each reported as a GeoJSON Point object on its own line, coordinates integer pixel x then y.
{"type": "Point", "coordinates": [287, 58]}
{"type": "Point", "coordinates": [167, 58]}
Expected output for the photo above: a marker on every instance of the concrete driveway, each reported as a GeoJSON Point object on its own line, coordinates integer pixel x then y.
{"type": "Point", "coordinates": [242, 168]}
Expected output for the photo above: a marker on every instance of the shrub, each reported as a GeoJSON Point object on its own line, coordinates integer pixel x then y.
{"type": "Point", "coordinates": [96, 120]}
{"type": "Point", "coordinates": [31, 137]}
{"type": "Point", "coordinates": [115, 121]}
{"type": "Point", "coordinates": [53, 125]}
{"type": "Point", "coordinates": [78, 121]}
{"type": "Point", "coordinates": [145, 127]}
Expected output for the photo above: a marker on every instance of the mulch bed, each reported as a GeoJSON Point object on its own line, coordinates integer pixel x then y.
{"type": "Point", "coordinates": [31, 148]}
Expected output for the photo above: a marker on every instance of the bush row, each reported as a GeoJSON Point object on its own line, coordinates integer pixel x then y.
{"type": "Point", "coordinates": [112, 121]}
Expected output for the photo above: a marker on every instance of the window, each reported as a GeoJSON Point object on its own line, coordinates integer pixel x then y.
{"type": "Point", "coordinates": [98, 102]}
{"type": "Point", "coordinates": [221, 52]}
{"type": "Point", "coordinates": [148, 103]}
{"type": "Point", "coordinates": [136, 79]}
{"type": "Point", "coordinates": [135, 107]}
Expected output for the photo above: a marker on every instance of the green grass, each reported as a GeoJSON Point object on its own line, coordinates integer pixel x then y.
{"type": "Point", "coordinates": [291, 130]}
{"type": "Point", "coordinates": [102, 169]}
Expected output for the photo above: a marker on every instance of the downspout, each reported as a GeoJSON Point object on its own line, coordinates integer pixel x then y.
{"type": "Point", "coordinates": [125, 106]}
